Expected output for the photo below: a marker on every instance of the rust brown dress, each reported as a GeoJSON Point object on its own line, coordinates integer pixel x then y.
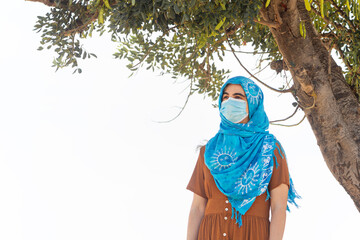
{"type": "Point", "coordinates": [217, 223]}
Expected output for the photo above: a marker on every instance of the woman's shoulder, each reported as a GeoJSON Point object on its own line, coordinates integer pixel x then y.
{"type": "Point", "coordinates": [201, 158]}
{"type": "Point", "coordinates": [279, 152]}
{"type": "Point", "coordinates": [202, 149]}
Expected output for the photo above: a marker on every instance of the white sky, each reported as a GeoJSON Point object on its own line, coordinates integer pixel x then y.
{"type": "Point", "coordinates": [82, 156]}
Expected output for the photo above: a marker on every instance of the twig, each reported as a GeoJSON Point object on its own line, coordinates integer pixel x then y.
{"type": "Point", "coordinates": [187, 99]}
{"type": "Point", "coordinates": [280, 120]}
{"type": "Point", "coordinates": [81, 27]}
{"type": "Point", "coordinates": [326, 19]}
{"type": "Point", "coordinates": [342, 56]}
{"type": "Point", "coordinates": [268, 23]}
{"type": "Point", "coordinates": [312, 106]}
{"type": "Point", "coordinates": [274, 89]}
{"type": "Point", "coordinates": [231, 30]}
{"type": "Point", "coordinates": [187, 61]}
{"type": "Point", "coordinates": [292, 125]}
{"type": "Point", "coordinates": [262, 69]}
{"type": "Point", "coordinates": [287, 82]}
{"type": "Point", "coordinates": [183, 107]}
{"type": "Point", "coordinates": [208, 66]}
{"type": "Point", "coordinates": [343, 14]}
{"type": "Point", "coordinates": [50, 3]}
{"type": "Point", "coordinates": [149, 50]}
{"type": "Point", "coordinates": [248, 52]}
{"type": "Point", "coordinates": [228, 32]}
{"type": "Point", "coordinates": [277, 13]}
{"type": "Point", "coordinates": [157, 40]}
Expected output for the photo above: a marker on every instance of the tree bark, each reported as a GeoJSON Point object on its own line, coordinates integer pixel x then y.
{"type": "Point", "coordinates": [330, 106]}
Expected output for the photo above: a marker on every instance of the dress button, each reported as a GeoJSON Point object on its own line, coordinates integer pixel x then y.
{"type": "Point", "coordinates": [225, 218]}
{"type": "Point", "coordinates": [226, 209]}
{"type": "Point", "coordinates": [227, 201]}
{"type": "Point", "coordinates": [224, 234]}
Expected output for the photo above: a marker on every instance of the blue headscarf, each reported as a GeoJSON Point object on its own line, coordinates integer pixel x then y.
{"type": "Point", "coordinates": [239, 156]}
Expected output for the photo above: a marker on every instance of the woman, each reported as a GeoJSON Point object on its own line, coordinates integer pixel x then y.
{"type": "Point", "coordinates": [241, 173]}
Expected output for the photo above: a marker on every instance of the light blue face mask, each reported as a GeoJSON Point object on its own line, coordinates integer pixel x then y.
{"type": "Point", "coordinates": [234, 110]}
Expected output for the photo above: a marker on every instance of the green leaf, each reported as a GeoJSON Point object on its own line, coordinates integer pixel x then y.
{"type": "Point", "coordinates": [101, 16]}
{"type": "Point", "coordinates": [202, 43]}
{"type": "Point", "coordinates": [322, 8]}
{"type": "Point", "coordinates": [133, 2]}
{"type": "Point", "coordinates": [223, 5]}
{"type": "Point", "coordinates": [268, 2]}
{"type": "Point", "coordinates": [106, 2]}
{"type": "Point", "coordinates": [220, 24]}
{"type": "Point", "coordinates": [176, 9]}
{"type": "Point", "coordinates": [307, 5]}
{"type": "Point", "coordinates": [302, 29]}
{"type": "Point", "coordinates": [213, 34]}
{"type": "Point", "coordinates": [348, 4]}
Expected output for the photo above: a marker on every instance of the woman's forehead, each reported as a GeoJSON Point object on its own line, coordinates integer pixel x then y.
{"type": "Point", "coordinates": [230, 88]}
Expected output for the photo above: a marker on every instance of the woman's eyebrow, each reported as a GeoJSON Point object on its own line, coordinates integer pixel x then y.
{"type": "Point", "coordinates": [239, 94]}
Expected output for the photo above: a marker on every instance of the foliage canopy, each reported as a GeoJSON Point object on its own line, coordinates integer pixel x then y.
{"type": "Point", "coordinates": [185, 38]}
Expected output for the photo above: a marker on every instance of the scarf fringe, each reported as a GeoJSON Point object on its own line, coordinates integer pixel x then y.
{"type": "Point", "coordinates": [293, 195]}
{"type": "Point", "coordinates": [238, 216]}
{"type": "Point", "coordinates": [267, 194]}
{"type": "Point", "coordinates": [280, 150]}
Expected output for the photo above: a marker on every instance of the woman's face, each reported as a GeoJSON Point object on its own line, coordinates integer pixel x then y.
{"type": "Point", "coordinates": [237, 92]}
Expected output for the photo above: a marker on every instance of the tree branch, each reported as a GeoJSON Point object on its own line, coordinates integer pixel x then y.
{"type": "Point", "coordinates": [50, 3]}
{"type": "Point", "coordinates": [231, 30]}
{"type": "Point", "coordinates": [312, 106]}
{"type": "Point", "coordinates": [186, 101]}
{"type": "Point", "coordinates": [328, 20]}
{"type": "Point", "coordinates": [268, 23]}
{"type": "Point", "coordinates": [277, 13]}
{"type": "Point", "coordinates": [60, 4]}
{"type": "Point", "coordinates": [82, 27]}
{"type": "Point", "coordinates": [274, 89]}
{"type": "Point", "coordinates": [248, 52]}
{"type": "Point", "coordinates": [281, 120]}
{"type": "Point", "coordinates": [74, 7]}
{"type": "Point", "coordinates": [292, 125]}
{"type": "Point", "coordinates": [228, 32]}
{"type": "Point", "coordinates": [342, 56]}
{"type": "Point", "coordinates": [262, 69]}
{"type": "Point", "coordinates": [343, 14]}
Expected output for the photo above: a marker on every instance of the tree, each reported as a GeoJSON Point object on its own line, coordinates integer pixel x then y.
{"type": "Point", "coordinates": [185, 38]}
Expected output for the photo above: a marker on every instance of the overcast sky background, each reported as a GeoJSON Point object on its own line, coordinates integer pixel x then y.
{"type": "Point", "coordinates": [83, 157]}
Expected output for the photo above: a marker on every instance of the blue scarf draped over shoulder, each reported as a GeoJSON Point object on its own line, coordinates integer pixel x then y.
{"type": "Point", "coordinates": [240, 156]}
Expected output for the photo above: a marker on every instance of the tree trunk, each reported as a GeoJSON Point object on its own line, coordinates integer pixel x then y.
{"type": "Point", "coordinates": [322, 92]}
